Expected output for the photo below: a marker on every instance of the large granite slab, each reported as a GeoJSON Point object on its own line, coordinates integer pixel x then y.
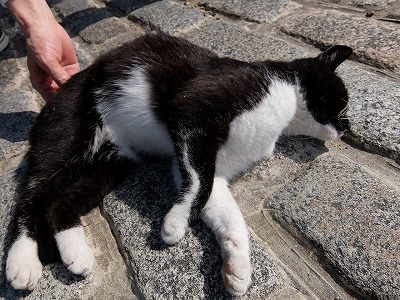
{"type": "Point", "coordinates": [168, 16]}
{"type": "Point", "coordinates": [187, 270]}
{"type": "Point", "coordinates": [257, 10]}
{"type": "Point", "coordinates": [374, 110]}
{"type": "Point", "coordinates": [373, 41]}
{"type": "Point", "coordinates": [352, 216]}
{"type": "Point", "coordinates": [18, 110]}
{"type": "Point", "coordinates": [228, 39]}
{"type": "Point", "coordinates": [291, 156]}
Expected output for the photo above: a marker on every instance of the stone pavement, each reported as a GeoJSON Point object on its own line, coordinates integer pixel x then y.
{"type": "Point", "coordinates": [324, 218]}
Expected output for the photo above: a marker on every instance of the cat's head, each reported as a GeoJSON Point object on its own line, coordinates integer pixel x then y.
{"type": "Point", "coordinates": [321, 111]}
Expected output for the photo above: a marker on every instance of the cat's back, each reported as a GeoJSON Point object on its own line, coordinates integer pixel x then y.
{"type": "Point", "coordinates": [155, 51]}
{"type": "Point", "coordinates": [138, 92]}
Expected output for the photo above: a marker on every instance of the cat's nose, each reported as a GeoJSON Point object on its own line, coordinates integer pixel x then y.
{"type": "Point", "coordinates": [343, 130]}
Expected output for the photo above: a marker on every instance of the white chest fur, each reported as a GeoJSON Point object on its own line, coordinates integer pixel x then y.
{"type": "Point", "coordinates": [253, 134]}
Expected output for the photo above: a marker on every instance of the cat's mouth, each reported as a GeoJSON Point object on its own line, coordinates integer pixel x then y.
{"type": "Point", "coordinates": [329, 133]}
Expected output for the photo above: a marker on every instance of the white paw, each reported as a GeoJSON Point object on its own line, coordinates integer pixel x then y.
{"type": "Point", "coordinates": [236, 270]}
{"type": "Point", "coordinates": [23, 267]}
{"type": "Point", "coordinates": [174, 226]}
{"type": "Point", "coordinates": [75, 253]}
{"type": "Point", "coordinates": [78, 260]}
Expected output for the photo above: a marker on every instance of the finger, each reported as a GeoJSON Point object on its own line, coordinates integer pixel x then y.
{"type": "Point", "coordinates": [46, 88]}
{"type": "Point", "coordinates": [47, 95]}
{"type": "Point", "coordinates": [40, 80]}
{"type": "Point", "coordinates": [58, 73]}
{"type": "Point", "coordinates": [72, 69]}
{"type": "Point", "coordinates": [47, 66]}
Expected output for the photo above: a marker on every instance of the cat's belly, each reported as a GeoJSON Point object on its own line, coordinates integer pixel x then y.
{"type": "Point", "coordinates": [238, 155]}
{"type": "Point", "coordinates": [129, 120]}
{"type": "Point", "coordinates": [137, 142]}
{"type": "Point", "coordinates": [149, 141]}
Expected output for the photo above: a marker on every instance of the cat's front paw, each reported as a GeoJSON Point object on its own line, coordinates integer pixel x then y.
{"type": "Point", "coordinates": [236, 270]}
{"type": "Point", "coordinates": [23, 267]}
{"type": "Point", "coordinates": [75, 253]}
{"type": "Point", "coordinates": [174, 227]}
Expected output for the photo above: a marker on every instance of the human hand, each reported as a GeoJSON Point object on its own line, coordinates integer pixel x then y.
{"type": "Point", "coordinates": [51, 55]}
{"type": "Point", "coordinates": [51, 59]}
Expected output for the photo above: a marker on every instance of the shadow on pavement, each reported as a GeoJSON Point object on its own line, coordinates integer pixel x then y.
{"type": "Point", "coordinates": [15, 126]}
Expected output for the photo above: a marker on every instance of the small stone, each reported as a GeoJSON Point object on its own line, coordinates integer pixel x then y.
{"type": "Point", "coordinates": [369, 14]}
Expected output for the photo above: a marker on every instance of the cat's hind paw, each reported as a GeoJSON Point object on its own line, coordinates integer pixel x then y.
{"type": "Point", "coordinates": [236, 270]}
{"type": "Point", "coordinates": [75, 253]}
{"type": "Point", "coordinates": [23, 267]}
{"type": "Point", "coordinates": [236, 276]}
{"type": "Point", "coordinates": [78, 260]}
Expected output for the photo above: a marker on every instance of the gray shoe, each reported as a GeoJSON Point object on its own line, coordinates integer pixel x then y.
{"type": "Point", "coordinates": [4, 40]}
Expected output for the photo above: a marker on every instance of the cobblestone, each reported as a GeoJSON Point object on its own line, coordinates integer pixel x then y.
{"type": "Point", "coordinates": [373, 41]}
{"type": "Point", "coordinates": [258, 10]}
{"type": "Point", "coordinates": [103, 30]}
{"type": "Point", "coordinates": [235, 41]}
{"type": "Point", "coordinates": [374, 110]}
{"type": "Point", "coordinates": [187, 270]}
{"type": "Point", "coordinates": [9, 72]}
{"type": "Point", "coordinates": [16, 117]}
{"type": "Point", "coordinates": [128, 5]}
{"type": "Point", "coordinates": [351, 215]}
{"type": "Point", "coordinates": [168, 16]}
{"type": "Point", "coordinates": [68, 8]}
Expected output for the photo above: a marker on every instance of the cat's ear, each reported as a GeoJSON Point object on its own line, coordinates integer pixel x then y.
{"type": "Point", "coordinates": [335, 55]}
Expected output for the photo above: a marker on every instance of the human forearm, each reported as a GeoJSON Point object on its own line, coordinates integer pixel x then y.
{"type": "Point", "coordinates": [31, 15]}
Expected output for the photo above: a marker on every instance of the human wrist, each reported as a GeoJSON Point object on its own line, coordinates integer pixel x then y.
{"type": "Point", "coordinates": [31, 14]}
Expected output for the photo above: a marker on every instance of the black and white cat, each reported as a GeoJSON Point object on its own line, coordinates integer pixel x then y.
{"type": "Point", "coordinates": [161, 96]}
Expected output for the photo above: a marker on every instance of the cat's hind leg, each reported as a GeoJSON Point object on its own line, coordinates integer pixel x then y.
{"type": "Point", "coordinates": [23, 267]}
{"type": "Point", "coordinates": [223, 216]}
{"type": "Point", "coordinates": [77, 200]}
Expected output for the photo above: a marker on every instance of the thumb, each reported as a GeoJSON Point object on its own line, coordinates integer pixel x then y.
{"type": "Point", "coordinates": [58, 73]}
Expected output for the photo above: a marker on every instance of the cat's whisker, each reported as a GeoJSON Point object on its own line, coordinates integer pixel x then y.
{"type": "Point", "coordinates": [304, 138]}
{"type": "Point", "coordinates": [343, 111]}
